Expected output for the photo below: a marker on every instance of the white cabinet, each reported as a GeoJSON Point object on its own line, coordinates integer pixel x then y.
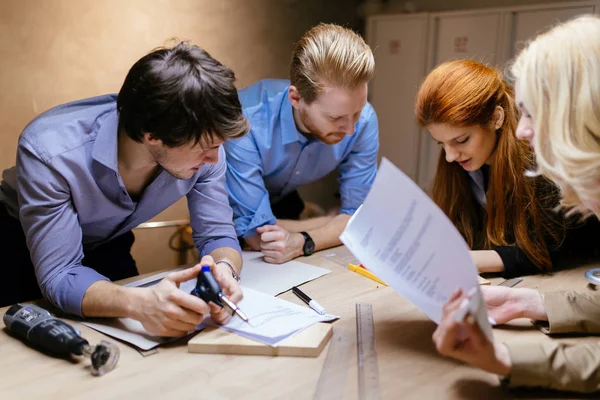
{"type": "Point", "coordinates": [400, 48]}
{"type": "Point", "coordinates": [471, 35]}
{"type": "Point", "coordinates": [408, 46]}
{"type": "Point", "coordinates": [528, 23]}
{"type": "Point", "coordinates": [468, 36]}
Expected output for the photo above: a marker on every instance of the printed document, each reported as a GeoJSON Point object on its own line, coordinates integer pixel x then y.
{"type": "Point", "coordinates": [401, 235]}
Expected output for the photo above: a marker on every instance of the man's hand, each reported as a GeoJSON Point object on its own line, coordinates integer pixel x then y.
{"type": "Point", "coordinates": [505, 304]}
{"type": "Point", "coordinates": [231, 288]}
{"type": "Point", "coordinates": [466, 342]}
{"type": "Point", "coordinates": [165, 310]}
{"type": "Point", "coordinates": [279, 245]}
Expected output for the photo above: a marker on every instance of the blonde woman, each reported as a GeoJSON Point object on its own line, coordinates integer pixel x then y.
{"type": "Point", "coordinates": [558, 92]}
{"type": "Point", "coordinates": [300, 131]}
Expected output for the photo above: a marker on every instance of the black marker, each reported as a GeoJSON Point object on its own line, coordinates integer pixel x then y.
{"type": "Point", "coordinates": [311, 303]}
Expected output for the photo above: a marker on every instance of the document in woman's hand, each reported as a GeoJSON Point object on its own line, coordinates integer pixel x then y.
{"type": "Point", "coordinates": [401, 235]}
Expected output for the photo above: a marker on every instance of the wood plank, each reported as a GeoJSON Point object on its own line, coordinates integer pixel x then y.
{"type": "Point", "coordinates": [307, 343]}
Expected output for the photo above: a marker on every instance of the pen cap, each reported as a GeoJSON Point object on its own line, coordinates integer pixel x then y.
{"type": "Point", "coordinates": [207, 287]}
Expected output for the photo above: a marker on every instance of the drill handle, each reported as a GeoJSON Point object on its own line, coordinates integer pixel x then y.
{"type": "Point", "coordinates": [58, 337]}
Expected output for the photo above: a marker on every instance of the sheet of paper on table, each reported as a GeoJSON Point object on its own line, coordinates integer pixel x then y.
{"type": "Point", "coordinates": [406, 240]}
{"type": "Point", "coordinates": [274, 279]}
{"type": "Point", "coordinates": [341, 256]}
{"type": "Point", "coordinates": [257, 275]}
{"type": "Point", "coordinates": [271, 319]}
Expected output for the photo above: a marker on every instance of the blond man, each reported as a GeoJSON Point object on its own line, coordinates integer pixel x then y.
{"type": "Point", "coordinates": [301, 130]}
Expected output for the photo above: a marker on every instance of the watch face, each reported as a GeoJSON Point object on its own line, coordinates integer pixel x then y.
{"type": "Point", "coordinates": [309, 247]}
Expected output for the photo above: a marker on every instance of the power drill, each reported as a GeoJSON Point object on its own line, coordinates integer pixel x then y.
{"type": "Point", "coordinates": [37, 326]}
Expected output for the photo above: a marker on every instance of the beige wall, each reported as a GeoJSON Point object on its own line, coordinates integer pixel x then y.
{"type": "Point", "coordinates": [54, 51]}
{"type": "Point", "coordinates": [397, 6]}
{"type": "Point", "coordinates": [447, 5]}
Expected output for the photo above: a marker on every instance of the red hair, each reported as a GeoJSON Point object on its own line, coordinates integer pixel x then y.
{"type": "Point", "coordinates": [519, 209]}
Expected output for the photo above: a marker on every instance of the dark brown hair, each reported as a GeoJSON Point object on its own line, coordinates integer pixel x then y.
{"type": "Point", "coordinates": [180, 95]}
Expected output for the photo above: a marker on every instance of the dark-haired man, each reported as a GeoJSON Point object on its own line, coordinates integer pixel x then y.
{"type": "Point", "coordinates": [89, 171]}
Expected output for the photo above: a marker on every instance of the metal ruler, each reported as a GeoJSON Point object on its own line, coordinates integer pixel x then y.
{"type": "Point", "coordinates": [332, 381]}
{"type": "Point", "coordinates": [368, 369]}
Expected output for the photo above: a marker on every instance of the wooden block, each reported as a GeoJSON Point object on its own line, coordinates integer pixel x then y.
{"type": "Point", "coordinates": [483, 281]}
{"type": "Point", "coordinates": [308, 343]}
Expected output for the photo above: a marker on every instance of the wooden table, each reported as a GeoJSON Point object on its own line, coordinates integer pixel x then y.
{"type": "Point", "coordinates": [409, 366]}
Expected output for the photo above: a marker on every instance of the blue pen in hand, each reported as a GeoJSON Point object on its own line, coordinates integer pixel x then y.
{"type": "Point", "coordinates": [311, 303]}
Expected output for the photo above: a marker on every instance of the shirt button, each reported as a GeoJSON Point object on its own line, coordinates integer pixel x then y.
{"type": "Point", "coordinates": [297, 172]}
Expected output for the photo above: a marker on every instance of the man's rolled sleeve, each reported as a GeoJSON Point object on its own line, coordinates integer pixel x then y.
{"type": "Point", "coordinates": [211, 217]}
{"type": "Point", "coordinates": [246, 225]}
{"type": "Point", "coordinates": [555, 365]}
{"type": "Point", "coordinates": [209, 247]}
{"type": "Point", "coordinates": [358, 169]}
{"type": "Point", "coordinates": [74, 282]}
{"type": "Point", "coordinates": [248, 196]}
{"type": "Point", "coordinates": [52, 230]}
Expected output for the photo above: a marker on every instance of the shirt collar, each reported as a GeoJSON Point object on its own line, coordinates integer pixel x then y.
{"type": "Point", "coordinates": [289, 131]}
{"type": "Point", "coordinates": [478, 186]}
{"type": "Point", "coordinates": [105, 146]}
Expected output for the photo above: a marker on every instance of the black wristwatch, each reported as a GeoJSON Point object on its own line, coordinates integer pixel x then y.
{"type": "Point", "coordinates": [309, 244]}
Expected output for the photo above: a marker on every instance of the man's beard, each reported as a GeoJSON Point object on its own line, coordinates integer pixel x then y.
{"type": "Point", "coordinates": [327, 138]}
{"type": "Point", "coordinates": [160, 158]}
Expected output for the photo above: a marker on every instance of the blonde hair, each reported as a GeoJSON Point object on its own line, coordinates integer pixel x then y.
{"type": "Point", "coordinates": [330, 54]}
{"type": "Point", "coordinates": [558, 75]}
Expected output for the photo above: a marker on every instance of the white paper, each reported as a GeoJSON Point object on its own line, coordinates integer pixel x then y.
{"type": "Point", "coordinates": [259, 275]}
{"type": "Point", "coordinates": [271, 320]}
{"type": "Point", "coordinates": [271, 279]}
{"type": "Point", "coordinates": [406, 240]}
{"type": "Point", "coordinates": [274, 279]}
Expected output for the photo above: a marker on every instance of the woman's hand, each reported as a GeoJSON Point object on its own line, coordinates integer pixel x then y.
{"type": "Point", "coordinates": [466, 342]}
{"type": "Point", "coordinates": [505, 304]}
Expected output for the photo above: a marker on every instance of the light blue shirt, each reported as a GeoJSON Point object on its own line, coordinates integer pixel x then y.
{"type": "Point", "coordinates": [275, 158]}
{"type": "Point", "coordinates": [67, 192]}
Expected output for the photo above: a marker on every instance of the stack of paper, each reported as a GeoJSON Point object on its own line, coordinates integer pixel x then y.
{"type": "Point", "coordinates": [271, 320]}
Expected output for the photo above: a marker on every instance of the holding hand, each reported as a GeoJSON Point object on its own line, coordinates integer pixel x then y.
{"type": "Point", "coordinates": [230, 286]}
{"type": "Point", "coordinates": [279, 245]}
{"type": "Point", "coordinates": [466, 342]}
{"type": "Point", "coordinates": [505, 304]}
{"type": "Point", "coordinates": [166, 310]}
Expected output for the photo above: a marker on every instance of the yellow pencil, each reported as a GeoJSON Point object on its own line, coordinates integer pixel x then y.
{"type": "Point", "coordinates": [365, 272]}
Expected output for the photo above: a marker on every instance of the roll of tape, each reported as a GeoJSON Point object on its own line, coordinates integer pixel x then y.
{"type": "Point", "coordinates": [592, 276]}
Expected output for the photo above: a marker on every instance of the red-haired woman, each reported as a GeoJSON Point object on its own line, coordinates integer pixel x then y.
{"type": "Point", "coordinates": [507, 218]}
